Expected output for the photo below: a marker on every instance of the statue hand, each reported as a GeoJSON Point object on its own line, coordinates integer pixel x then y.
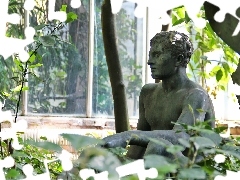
{"type": "Point", "coordinates": [116, 140]}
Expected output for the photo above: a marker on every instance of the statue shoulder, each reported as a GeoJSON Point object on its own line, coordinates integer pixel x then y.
{"type": "Point", "coordinates": [149, 88]}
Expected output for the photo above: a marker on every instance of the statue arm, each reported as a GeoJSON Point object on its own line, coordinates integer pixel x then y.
{"type": "Point", "coordinates": [197, 99]}
{"type": "Point", "coordinates": [194, 109]}
{"type": "Point", "coordinates": [135, 151]}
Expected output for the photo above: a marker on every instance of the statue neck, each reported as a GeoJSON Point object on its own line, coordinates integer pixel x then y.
{"type": "Point", "coordinates": [176, 81]}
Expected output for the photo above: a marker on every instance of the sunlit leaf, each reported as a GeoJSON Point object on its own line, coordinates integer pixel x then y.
{"type": "Point", "coordinates": [71, 16]}
{"type": "Point", "coordinates": [78, 141]}
{"type": "Point", "coordinates": [64, 8]}
{"type": "Point", "coordinates": [44, 145]}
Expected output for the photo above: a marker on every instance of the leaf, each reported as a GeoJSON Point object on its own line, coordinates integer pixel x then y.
{"type": "Point", "coordinates": [173, 149]}
{"type": "Point", "coordinates": [32, 57]}
{"type": "Point", "coordinates": [25, 88]}
{"type": "Point", "coordinates": [160, 163]}
{"type": "Point", "coordinates": [226, 67]}
{"type": "Point", "coordinates": [43, 138]}
{"type": "Point", "coordinates": [48, 40]}
{"type": "Point", "coordinates": [184, 142]}
{"type": "Point", "coordinates": [201, 142]}
{"type": "Point", "coordinates": [192, 173]}
{"type": "Point", "coordinates": [44, 145]}
{"type": "Point", "coordinates": [78, 141]}
{"type": "Point", "coordinates": [179, 21]}
{"type": "Point", "coordinates": [200, 110]}
{"type": "Point", "coordinates": [64, 8]}
{"type": "Point", "coordinates": [12, 173]}
{"type": "Point", "coordinates": [215, 137]}
{"type": "Point", "coordinates": [219, 75]}
{"type": "Point", "coordinates": [35, 66]}
{"type": "Point", "coordinates": [39, 27]}
{"type": "Point", "coordinates": [71, 16]}
{"type": "Point", "coordinates": [17, 89]}
{"type": "Point", "coordinates": [220, 129]}
{"type": "Point", "coordinates": [190, 108]}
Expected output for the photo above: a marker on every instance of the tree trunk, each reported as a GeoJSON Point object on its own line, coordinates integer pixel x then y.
{"type": "Point", "coordinates": [114, 68]}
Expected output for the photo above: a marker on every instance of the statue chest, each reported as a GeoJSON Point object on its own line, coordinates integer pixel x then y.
{"type": "Point", "coordinates": [162, 109]}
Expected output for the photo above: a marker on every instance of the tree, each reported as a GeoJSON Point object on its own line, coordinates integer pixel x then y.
{"type": "Point", "coordinates": [114, 68]}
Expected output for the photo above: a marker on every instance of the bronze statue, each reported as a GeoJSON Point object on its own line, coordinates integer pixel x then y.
{"type": "Point", "coordinates": [167, 101]}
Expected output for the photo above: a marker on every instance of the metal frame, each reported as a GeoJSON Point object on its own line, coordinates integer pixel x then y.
{"type": "Point", "coordinates": [90, 60]}
{"type": "Point", "coordinates": [90, 63]}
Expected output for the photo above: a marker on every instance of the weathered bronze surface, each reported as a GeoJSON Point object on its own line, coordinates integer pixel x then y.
{"type": "Point", "coordinates": [162, 103]}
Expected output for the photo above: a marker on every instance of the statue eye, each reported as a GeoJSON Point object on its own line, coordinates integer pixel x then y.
{"type": "Point", "coordinates": [156, 54]}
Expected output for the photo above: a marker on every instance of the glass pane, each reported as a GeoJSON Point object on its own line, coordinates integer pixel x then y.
{"type": "Point", "coordinates": [130, 44]}
{"type": "Point", "coordinates": [59, 86]}
{"type": "Point", "coordinates": [11, 69]}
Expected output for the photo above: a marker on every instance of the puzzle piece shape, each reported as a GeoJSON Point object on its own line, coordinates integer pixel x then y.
{"type": "Point", "coordinates": [7, 162]}
{"type": "Point", "coordinates": [87, 173]}
{"type": "Point", "coordinates": [75, 3]}
{"type": "Point", "coordinates": [28, 171]}
{"type": "Point", "coordinates": [230, 7]}
{"type": "Point", "coordinates": [11, 133]}
{"type": "Point", "coordinates": [137, 167]}
{"type": "Point", "coordinates": [9, 45]}
{"type": "Point", "coordinates": [52, 14]}
{"type": "Point", "coordinates": [161, 7]}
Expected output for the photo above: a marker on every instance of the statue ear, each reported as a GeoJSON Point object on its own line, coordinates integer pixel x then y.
{"type": "Point", "coordinates": [180, 59]}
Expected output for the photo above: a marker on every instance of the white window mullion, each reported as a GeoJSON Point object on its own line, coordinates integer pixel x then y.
{"type": "Point", "coordinates": [25, 93]}
{"type": "Point", "coordinates": [90, 60]}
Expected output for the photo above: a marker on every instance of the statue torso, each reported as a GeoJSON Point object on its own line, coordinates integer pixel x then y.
{"type": "Point", "coordinates": [162, 108]}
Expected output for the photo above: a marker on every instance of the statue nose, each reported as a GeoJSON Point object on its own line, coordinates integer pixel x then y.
{"type": "Point", "coordinates": [150, 62]}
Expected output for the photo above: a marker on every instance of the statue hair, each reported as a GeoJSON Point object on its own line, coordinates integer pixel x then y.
{"type": "Point", "coordinates": [178, 43]}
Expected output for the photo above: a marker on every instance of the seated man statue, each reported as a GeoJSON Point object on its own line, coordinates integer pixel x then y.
{"type": "Point", "coordinates": [169, 101]}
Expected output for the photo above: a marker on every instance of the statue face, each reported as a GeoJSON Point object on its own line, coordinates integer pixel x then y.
{"type": "Point", "coordinates": [161, 62]}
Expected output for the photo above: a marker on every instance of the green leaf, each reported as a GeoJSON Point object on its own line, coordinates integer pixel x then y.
{"type": "Point", "coordinates": [219, 75]}
{"type": "Point", "coordinates": [220, 129]}
{"type": "Point", "coordinates": [39, 27]}
{"type": "Point", "coordinates": [17, 89]}
{"type": "Point", "coordinates": [64, 8]}
{"type": "Point", "coordinates": [32, 57]}
{"type": "Point", "coordinates": [215, 137]}
{"type": "Point", "coordinates": [200, 110]}
{"type": "Point", "coordinates": [187, 18]}
{"type": "Point", "coordinates": [12, 173]}
{"type": "Point", "coordinates": [174, 149]}
{"type": "Point", "coordinates": [71, 16]}
{"type": "Point", "coordinates": [44, 145]}
{"type": "Point", "coordinates": [226, 67]}
{"type": "Point", "coordinates": [78, 141]}
{"type": "Point", "coordinates": [43, 138]}
{"type": "Point", "coordinates": [190, 108]}
{"type": "Point", "coordinates": [160, 163]}
{"type": "Point", "coordinates": [25, 88]}
{"type": "Point", "coordinates": [35, 66]}
{"type": "Point", "coordinates": [184, 142]}
{"type": "Point", "coordinates": [48, 40]}
{"type": "Point", "coordinates": [192, 173]}
{"type": "Point", "coordinates": [202, 142]}
{"type": "Point", "coordinates": [179, 21]}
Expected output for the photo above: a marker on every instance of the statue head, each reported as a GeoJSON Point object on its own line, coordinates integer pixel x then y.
{"type": "Point", "coordinates": [175, 42]}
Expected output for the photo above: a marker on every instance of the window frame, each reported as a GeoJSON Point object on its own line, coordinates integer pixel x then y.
{"type": "Point", "coordinates": [89, 94]}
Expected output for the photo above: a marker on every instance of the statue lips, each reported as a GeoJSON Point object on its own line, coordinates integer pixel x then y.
{"type": "Point", "coordinates": [152, 69]}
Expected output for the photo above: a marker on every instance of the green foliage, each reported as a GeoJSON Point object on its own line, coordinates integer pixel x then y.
{"type": "Point", "coordinates": [207, 41]}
